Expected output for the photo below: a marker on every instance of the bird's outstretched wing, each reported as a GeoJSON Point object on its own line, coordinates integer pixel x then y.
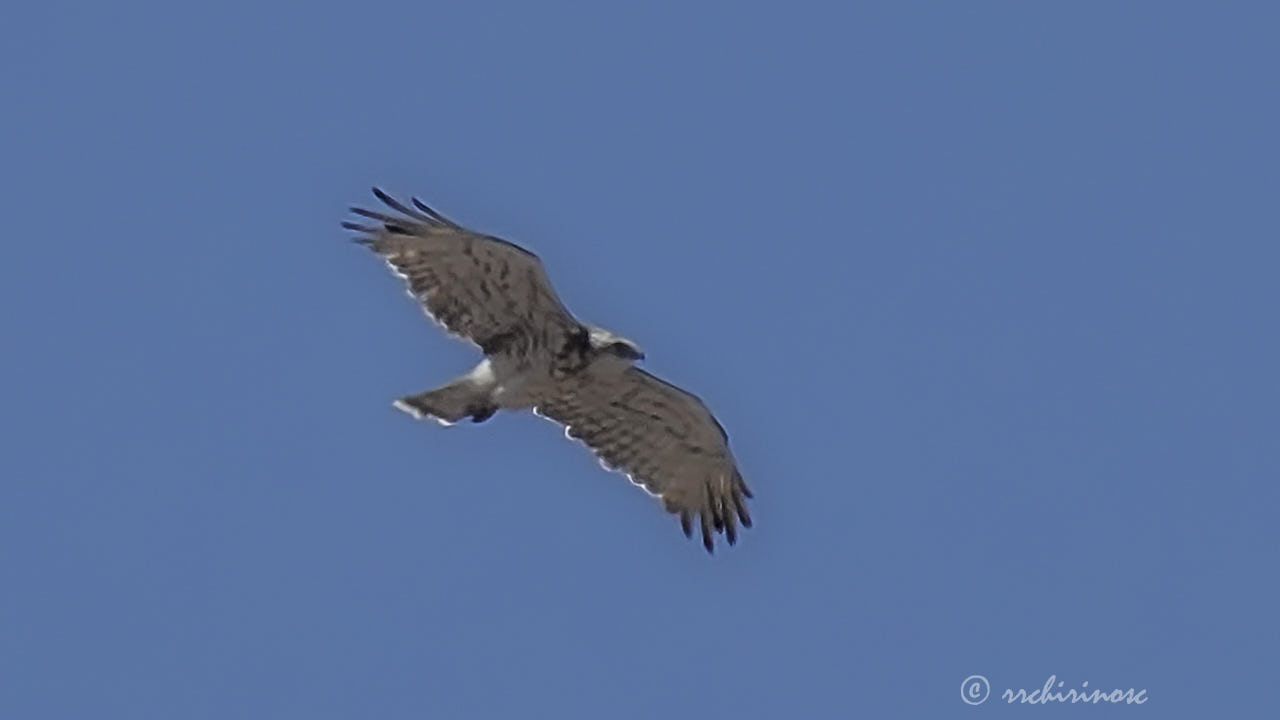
{"type": "Point", "coordinates": [482, 288]}
{"type": "Point", "coordinates": [663, 438]}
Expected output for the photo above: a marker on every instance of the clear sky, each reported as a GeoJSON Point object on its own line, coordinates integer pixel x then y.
{"type": "Point", "coordinates": [984, 293]}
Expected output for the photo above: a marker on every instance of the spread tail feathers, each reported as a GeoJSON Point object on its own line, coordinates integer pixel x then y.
{"type": "Point", "coordinates": [450, 403]}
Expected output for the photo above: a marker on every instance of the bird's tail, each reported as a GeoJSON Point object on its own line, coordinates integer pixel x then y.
{"type": "Point", "coordinates": [448, 404]}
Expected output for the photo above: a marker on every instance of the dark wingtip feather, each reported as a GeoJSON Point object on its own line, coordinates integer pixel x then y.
{"type": "Point", "coordinates": [740, 505]}
{"type": "Point", "coordinates": [380, 217]}
{"type": "Point", "coordinates": [714, 508]}
{"type": "Point", "coordinates": [358, 228]}
{"type": "Point", "coordinates": [398, 206]}
{"type": "Point", "coordinates": [686, 524]}
{"type": "Point", "coordinates": [424, 208]}
{"type": "Point", "coordinates": [707, 542]}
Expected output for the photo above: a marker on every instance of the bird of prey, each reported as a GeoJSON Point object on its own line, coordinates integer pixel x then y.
{"type": "Point", "coordinates": [537, 356]}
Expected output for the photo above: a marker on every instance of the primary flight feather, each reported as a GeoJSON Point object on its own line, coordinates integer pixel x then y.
{"type": "Point", "coordinates": [539, 357]}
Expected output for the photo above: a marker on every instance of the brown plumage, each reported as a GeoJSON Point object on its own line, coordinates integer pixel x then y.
{"type": "Point", "coordinates": [538, 356]}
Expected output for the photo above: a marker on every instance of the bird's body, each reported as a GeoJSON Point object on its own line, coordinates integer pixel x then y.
{"type": "Point", "coordinates": [539, 357]}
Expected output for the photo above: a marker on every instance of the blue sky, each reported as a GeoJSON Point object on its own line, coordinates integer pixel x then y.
{"type": "Point", "coordinates": [985, 295]}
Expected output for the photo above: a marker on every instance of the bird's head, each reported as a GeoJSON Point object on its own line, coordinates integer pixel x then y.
{"type": "Point", "coordinates": [604, 342]}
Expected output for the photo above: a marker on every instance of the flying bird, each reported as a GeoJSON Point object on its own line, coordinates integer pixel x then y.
{"type": "Point", "coordinates": [538, 356]}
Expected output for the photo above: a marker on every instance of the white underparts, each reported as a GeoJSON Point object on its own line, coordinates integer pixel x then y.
{"type": "Point", "coordinates": [482, 375]}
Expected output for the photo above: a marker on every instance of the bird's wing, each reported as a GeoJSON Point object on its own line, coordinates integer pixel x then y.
{"type": "Point", "coordinates": [663, 439]}
{"type": "Point", "coordinates": [482, 288]}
